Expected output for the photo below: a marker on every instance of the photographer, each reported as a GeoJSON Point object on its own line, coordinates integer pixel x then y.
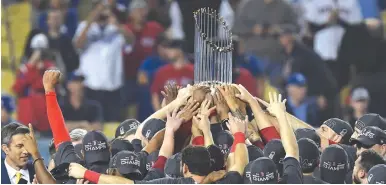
{"type": "Point", "coordinates": [100, 39]}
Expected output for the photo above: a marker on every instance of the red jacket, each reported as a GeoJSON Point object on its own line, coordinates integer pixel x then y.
{"type": "Point", "coordinates": [31, 106]}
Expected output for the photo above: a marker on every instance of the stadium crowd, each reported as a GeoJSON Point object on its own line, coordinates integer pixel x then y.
{"type": "Point", "coordinates": [306, 105]}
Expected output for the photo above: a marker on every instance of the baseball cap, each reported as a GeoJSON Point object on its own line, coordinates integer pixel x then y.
{"type": "Point", "coordinates": [376, 174]}
{"type": "Point", "coordinates": [151, 158]}
{"type": "Point", "coordinates": [118, 145]}
{"type": "Point", "coordinates": [151, 127]}
{"type": "Point", "coordinates": [360, 94]}
{"type": "Point", "coordinates": [371, 119]}
{"type": "Point", "coordinates": [308, 155]}
{"type": "Point", "coordinates": [275, 151]}
{"type": "Point", "coordinates": [126, 126]}
{"type": "Point", "coordinates": [128, 164]}
{"type": "Point", "coordinates": [176, 44]}
{"type": "Point", "coordinates": [333, 164]}
{"type": "Point", "coordinates": [297, 79]}
{"type": "Point", "coordinates": [75, 76]}
{"type": "Point", "coordinates": [261, 171]}
{"type": "Point", "coordinates": [307, 133]}
{"type": "Point", "coordinates": [60, 173]}
{"type": "Point", "coordinates": [217, 158]}
{"type": "Point", "coordinates": [254, 152]}
{"type": "Point", "coordinates": [173, 166]}
{"type": "Point", "coordinates": [224, 140]}
{"type": "Point", "coordinates": [95, 147]}
{"type": "Point", "coordinates": [341, 128]}
{"type": "Point", "coordinates": [8, 103]}
{"type": "Point", "coordinates": [113, 162]}
{"type": "Point", "coordinates": [78, 150]}
{"type": "Point", "coordinates": [370, 136]}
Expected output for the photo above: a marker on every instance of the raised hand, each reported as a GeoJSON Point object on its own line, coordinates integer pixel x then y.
{"type": "Point", "coordinates": [202, 122]}
{"type": "Point", "coordinates": [170, 93]}
{"type": "Point", "coordinates": [184, 94]}
{"type": "Point", "coordinates": [205, 110]}
{"type": "Point", "coordinates": [237, 125]}
{"type": "Point", "coordinates": [214, 177]}
{"type": "Point", "coordinates": [174, 121]}
{"type": "Point", "coordinates": [189, 111]}
{"type": "Point", "coordinates": [221, 105]}
{"type": "Point", "coordinates": [50, 79]}
{"type": "Point", "coordinates": [276, 105]}
{"type": "Point", "coordinates": [29, 143]}
{"type": "Point", "coordinates": [76, 171]}
{"type": "Point", "coordinates": [244, 94]}
{"type": "Point", "coordinates": [229, 96]}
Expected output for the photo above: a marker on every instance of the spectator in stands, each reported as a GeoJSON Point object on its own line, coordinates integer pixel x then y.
{"type": "Point", "coordinates": [146, 74]}
{"type": "Point", "coordinates": [257, 25]}
{"type": "Point", "coordinates": [100, 40]}
{"type": "Point", "coordinates": [299, 103]}
{"type": "Point", "coordinates": [7, 108]}
{"type": "Point", "coordinates": [70, 16]}
{"type": "Point", "coordinates": [366, 160]}
{"type": "Point", "coordinates": [359, 103]}
{"type": "Point", "coordinates": [59, 42]}
{"type": "Point", "coordinates": [78, 111]}
{"type": "Point", "coordinates": [145, 33]}
{"type": "Point", "coordinates": [179, 71]}
{"type": "Point", "coordinates": [327, 21]}
{"type": "Point", "coordinates": [28, 86]}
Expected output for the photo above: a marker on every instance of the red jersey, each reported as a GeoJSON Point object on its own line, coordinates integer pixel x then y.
{"type": "Point", "coordinates": [246, 79]}
{"type": "Point", "coordinates": [133, 55]}
{"type": "Point", "coordinates": [182, 77]}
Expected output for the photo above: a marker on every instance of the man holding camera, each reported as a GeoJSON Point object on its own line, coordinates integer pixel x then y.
{"type": "Point", "coordinates": [100, 39]}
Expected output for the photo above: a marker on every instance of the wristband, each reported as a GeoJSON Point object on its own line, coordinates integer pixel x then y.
{"type": "Point", "coordinates": [92, 176]}
{"type": "Point", "coordinates": [198, 141]}
{"type": "Point", "coordinates": [51, 93]}
{"type": "Point", "coordinates": [239, 137]}
{"type": "Point", "coordinates": [40, 158]}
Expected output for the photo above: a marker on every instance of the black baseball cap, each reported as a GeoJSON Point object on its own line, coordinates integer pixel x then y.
{"type": "Point", "coordinates": [377, 174]}
{"type": "Point", "coordinates": [95, 148]}
{"type": "Point", "coordinates": [224, 141]}
{"type": "Point", "coordinates": [308, 155]}
{"type": "Point", "coordinates": [173, 166]}
{"type": "Point", "coordinates": [151, 127]}
{"type": "Point", "coordinates": [370, 119]}
{"type": "Point", "coordinates": [113, 162]}
{"type": "Point", "coordinates": [126, 126]}
{"type": "Point", "coordinates": [370, 136]}
{"type": "Point", "coordinates": [151, 159]}
{"type": "Point", "coordinates": [60, 173]}
{"type": "Point", "coordinates": [307, 133]}
{"type": "Point", "coordinates": [254, 152]}
{"type": "Point", "coordinates": [216, 157]}
{"type": "Point", "coordinates": [129, 164]}
{"type": "Point", "coordinates": [341, 128]}
{"type": "Point", "coordinates": [261, 171]}
{"type": "Point", "coordinates": [275, 151]}
{"type": "Point", "coordinates": [118, 145]}
{"type": "Point", "coordinates": [333, 165]}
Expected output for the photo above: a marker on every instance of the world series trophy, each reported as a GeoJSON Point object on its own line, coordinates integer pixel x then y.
{"type": "Point", "coordinates": [212, 51]}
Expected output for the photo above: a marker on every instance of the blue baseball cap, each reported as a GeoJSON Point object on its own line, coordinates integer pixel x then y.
{"type": "Point", "coordinates": [297, 79]}
{"type": "Point", "coordinates": [8, 103]}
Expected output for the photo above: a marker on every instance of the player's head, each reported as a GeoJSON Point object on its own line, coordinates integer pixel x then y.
{"type": "Point", "coordinates": [12, 136]}
{"type": "Point", "coordinates": [365, 161]}
{"type": "Point", "coordinates": [195, 161]}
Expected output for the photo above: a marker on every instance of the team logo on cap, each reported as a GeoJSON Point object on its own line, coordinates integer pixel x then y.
{"type": "Point", "coordinates": [147, 135]}
{"type": "Point", "coordinates": [308, 162]}
{"type": "Point", "coordinates": [272, 155]}
{"type": "Point", "coordinates": [121, 131]}
{"type": "Point", "coordinates": [149, 165]}
{"type": "Point", "coordinates": [367, 133]}
{"type": "Point", "coordinates": [130, 160]}
{"type": "Point", "coordinates": [370, 177]}
{"type": "Point", "coordinates": [343, 132]}
{"type": "Point", "coordinates": [224, 148]}
{"type": "Point", "coordinates": [333, 166]}
{"type": "Point", "coordinates": [95, 146]}
{"type": "Point", "coordinates": [330, 123]}
{"type": "Point", "coordinates": [359, 124]}
{"type": "Point", "coordinates": [260, 177]}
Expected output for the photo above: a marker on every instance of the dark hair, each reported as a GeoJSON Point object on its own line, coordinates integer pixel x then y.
{"type": "Point", "coordinates": [10, 130]}
{"type": "Point", "coordinates": [197, 158]}
{"type": "Point", "coordinates": [370, 158]}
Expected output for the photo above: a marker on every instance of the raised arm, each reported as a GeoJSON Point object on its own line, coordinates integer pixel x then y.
{"type": "Point", "coordinates": [55, 116]}
{"type": "Point", "coordinates": [238, 129]}
{"type": "Point", "coordinates": [277, 108]}
{"type": "Point", "coordinates": [203, 122]}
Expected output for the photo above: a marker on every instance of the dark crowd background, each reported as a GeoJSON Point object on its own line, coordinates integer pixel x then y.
{"type": "Point", "coordinates": [327, 58]}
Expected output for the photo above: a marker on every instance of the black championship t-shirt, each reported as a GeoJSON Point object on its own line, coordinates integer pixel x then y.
{"type": "Point", "coordinates": [292, 172]}
{"type": "Point", "coordinates": [310, 179]}
{"type": "Point", "coordinates": [231, 177]}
